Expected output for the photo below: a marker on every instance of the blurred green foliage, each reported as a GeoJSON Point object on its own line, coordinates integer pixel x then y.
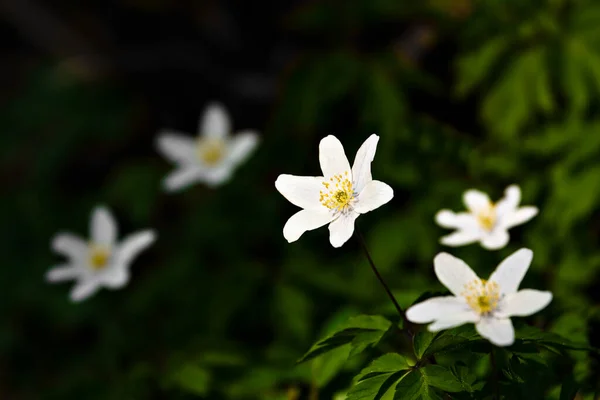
{"type": "Point", "coordinates": [221, 307]}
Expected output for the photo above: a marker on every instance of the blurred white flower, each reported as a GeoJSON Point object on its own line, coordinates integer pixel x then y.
{"type": "Point", "coordinates": [100, 262]}
{"type": "Point", "coordinates": [209, 158]}
{"type": "Point", "coordinates": [339, 196]}
{"type": "Point", "coordinates": [488, 304]}
{"type": "Point", "coordinates": [485, 222]}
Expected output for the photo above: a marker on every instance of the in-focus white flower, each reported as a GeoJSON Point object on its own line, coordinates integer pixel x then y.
{"type": "Point", "coordinates": [339, 196]}
{"type": "Point", "coordinates": [485, 221]}
{"type": "Point", "coordinates": [100, 262]}
{"type": "Point", "coordinates": [488, 304]}
{"type": "Point", "coordinates": [209, 158]}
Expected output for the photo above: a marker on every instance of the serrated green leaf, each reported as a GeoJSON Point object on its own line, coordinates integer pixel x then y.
{"type": "Point", "coordinates": [455, 339]}
{"type": "Point", "coordinates": [376, 387]}
{"type": "Point", "coordinates": [361, 332]}
{"type": "Point", "coordinates": [549, 340]}
{"type": "Point", "coordinates": [391, 362]}
{"type": "Point", "coordinates": [414, 386]}
{"type": "Point", "coordinates": [421, 342]}
{"type": "Point", "coordinates": [442, 378]}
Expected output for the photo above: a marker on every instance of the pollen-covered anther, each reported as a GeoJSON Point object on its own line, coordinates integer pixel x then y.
{"type": "Point", "coordinates": [338, 192]}
{"type": "Point", "coordinates": [482, 296]}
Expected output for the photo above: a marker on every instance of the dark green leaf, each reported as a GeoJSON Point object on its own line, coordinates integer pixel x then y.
{"type": "Point", "coordinates": [361, 332]}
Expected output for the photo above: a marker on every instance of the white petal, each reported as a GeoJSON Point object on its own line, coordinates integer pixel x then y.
{"type": "Point", "coordinates": [71, 246]}
{"type": "Point", "coordinates": [509, 274]}
{"type": "Point", "coordinates": [518, 217]}
{"type": "Point", "coordinates": [510, 201]}
{"type": "Point", "coordinates": [176, 147]}
{"type": "Point", "coordinates": [133, 244]}
{"type": "Point", "coordinates": [524, 303]}
{"type": "Point", "coordinates": [214, 122]}
{"type": "Point", "coordinates": [103, 229]}
{"type": "Point", "coordinates": [63, 273]}
{"type": "Point", "coordinates": [453, 272]}
{"type": "Point", "coordinates": [454, 321]}
{"type": "Point", "coordinates": [182, 177]}
{"type": "Point", "coordinates": [476, 200]}
{"type": "Point", "coordinates": [216, 176]}
{"type": "Point", "coordinates": [301, 191]}
{"type": "Point", "coordinates": [374, 195]}
{"type": "Point", "coordinates": [240, 146]}
{"type": "Point", "coordinates": [436, 308]}
{"type": "Point", "coordinates": [83, 290]}
{"type": "Point", "coordinates": [496, 239]}
{"type": "Point", "coordinates": [332, 157]}
{"type": "Point", "coordinates": [361, 169]}
{"type": "Point", "coordinates": [305, 220]}
{"type": "Point", "coordinates": [461, 237]}
{"type": "Point", "coordinates": [498, 331]}
{"type": "Point", "coordinates": [116, 277]}
{"type": "Point", "coordinates": [462, 220]}
{"type": "Point", "coordinates": [342, 228]}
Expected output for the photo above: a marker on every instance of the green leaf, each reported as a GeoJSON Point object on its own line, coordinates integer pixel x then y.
{"type": "Point", "coordinates": [474, 67]}
{"type": "Point", "coordinates": [549, 340]}
{"type": "Point", "coordinates": [442, 378]}
{"type": "Point", "coordinates": [376, 387]}
{"type": "Point", "coordinates": [455, 339]}
{"type": "Point", "coordinates": [191, 378]}
{"type": "Point", "coordinates": [326, 366]}
{"type": "Point", "coordinates": [375, 380]}
{"type": "Point", "coordinates": [391, 362]}
{"type": "Point", "coordinates": [415, 386]}
{"type": "Point", "coordinates": [362, 332]}
{"type": "Point", "coordinates": [421, 342]}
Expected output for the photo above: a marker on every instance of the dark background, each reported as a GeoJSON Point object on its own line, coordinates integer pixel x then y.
{"type": "Point", "coordinates": [463, 93]}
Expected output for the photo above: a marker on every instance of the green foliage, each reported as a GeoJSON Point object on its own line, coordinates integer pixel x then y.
{"type": "Point", "coordinates": [222, 307]}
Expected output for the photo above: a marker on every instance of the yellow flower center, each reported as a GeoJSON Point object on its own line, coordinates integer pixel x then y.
{"type": "Point", "coordinates": [487, 217]}
{"type": "Point", "coordinates": [211, 151]}
{"type": "Point", "coordinates": [482, 296]}
{"type": "Point", "coordinates": [338, 192]}
{"type": "Point", "coordinates": [99, 256]}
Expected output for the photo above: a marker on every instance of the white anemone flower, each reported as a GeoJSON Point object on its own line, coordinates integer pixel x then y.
{"type": "Point", "coordinates": [100, 262]}
{"type": "Point", "coordinates": [209, 158]}
{"type": "Point", "coordinates": [339, 196]}
{"type": "Point", "coordinates": [488, 304]}
{"type": "Point", "coordinates": [485, 221]}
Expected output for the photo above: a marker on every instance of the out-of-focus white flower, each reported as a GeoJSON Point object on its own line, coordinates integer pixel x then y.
{"type": "Point", "coordinates": [485, 221]}
{"type": "Point", "coordinates": [488, 304]}
{"type": "Point", "coordinates": [100, 262]}
{"type": "Point", "coordinates": [339, 196]}
{"type": "Point", "coordinates": [209, 158]}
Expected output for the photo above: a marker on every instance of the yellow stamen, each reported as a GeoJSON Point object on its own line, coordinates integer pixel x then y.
{"type": "Point", "coordinates": [210, 151]}
{"type": "Point", "coordinates": [99, 256]}
{"type": "Point", "coordinates": [339, 195]}
{"type": "Point", "coordinates": [487, 217]}
{"type": "Point", "coordinates": [482, 296]}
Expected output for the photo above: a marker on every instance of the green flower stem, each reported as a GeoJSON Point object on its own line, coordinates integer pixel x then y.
{"type": "Point", "coordinates": [495, 383]}
{"type": "Point", "coordinates": [374, 268]}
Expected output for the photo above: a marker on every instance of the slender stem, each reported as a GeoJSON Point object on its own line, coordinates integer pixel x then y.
{"type": "Point", "coordinates": [374, 268]}
{"type": "Point", "coordinates": [494, 375]}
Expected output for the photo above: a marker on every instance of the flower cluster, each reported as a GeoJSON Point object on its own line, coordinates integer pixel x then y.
{"type": "Point", "coordinates": [336, 197]}
{"type": "Point", "coordinates": [339, 196]}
